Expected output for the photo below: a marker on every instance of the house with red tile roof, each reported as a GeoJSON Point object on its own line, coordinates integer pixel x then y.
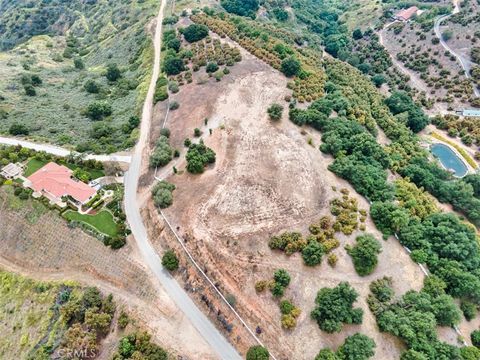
{"type": "Point", "coordinates": [56, 181]}
{"type": "Point", "coordinates": [406, 14]}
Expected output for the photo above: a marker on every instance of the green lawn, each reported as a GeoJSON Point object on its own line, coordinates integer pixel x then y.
{"type": "Point", "coordinates": [103, 221]}
{"type": "Point", "coordinates": [33, 165]}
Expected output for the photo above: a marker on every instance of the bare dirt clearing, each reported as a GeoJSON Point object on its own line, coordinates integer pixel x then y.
{"type": "Point", "coordinates": [267, 179]}
{"type": "Point", "coordinates": [39, 244]}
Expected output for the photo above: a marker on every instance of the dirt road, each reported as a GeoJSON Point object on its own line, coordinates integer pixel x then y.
{"type": "Point", "coordinates": [214, 338]}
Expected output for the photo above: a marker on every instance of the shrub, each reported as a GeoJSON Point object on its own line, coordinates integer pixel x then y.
{"type": "Point", "coordinates": [197, 132]}
{"type": "Point", "coordinates": [469, 309]}
{"type": "Point", "coordinates": [261, 285]}
{"type": "Point", "coordinates": [290, 66]}
{"type": "Point", "coordinates": [30, 90]}
{"type": "Point", "coordinates": [282, 277]}
{"type": "Point", "coordinates": [195, 32]}
{"type": "Point", "coordinates": [174, 105]}
{"type": "Point", "coordinates": [162, 194]}
{"type": "Point", "coordinates": [211, 67]}
{"type": "Point", "coordinates": [92, 87]}
{"type": "Point", "coordinates": [162, 154]}
{"type": "Point", "coordinates": [475, 337]}
{"type": "Point", "coordinates": [165, 132]}
{"type": "Point", "coordinates": [312, 253]}
{"type": "Point", "coordinates": [18, 129]}
{"type": "Point", "coordinates": [98, 110]}
{"type": "Point", "coordinates": [257, 352]}
{"type": "Point", "coordinates": [286, 307]}
{"type": "Point", "coordinates": [364, 254]}
{"type": "Point", "coordinates": [113, 72]}
{"type": "Point", "coordinates": [174, 44]}
{"type": "Point", "coordinates": [275, 112]}
{"type": "Point", "coordinates": [170, 260]}
{"type": "Point", "coordinates": [173, 65]}
{"type": "Point", "coordinates": [123, 320]}
{"type": "Point", "coordinates": [78, 63]}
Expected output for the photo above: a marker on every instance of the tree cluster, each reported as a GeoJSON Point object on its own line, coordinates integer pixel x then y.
{"type": "Point", "coordinates": [415, 316]}
{"type": "Point", "coordinates": [334, 307]}
{"type": "Point", "coordinates": [198, 156]}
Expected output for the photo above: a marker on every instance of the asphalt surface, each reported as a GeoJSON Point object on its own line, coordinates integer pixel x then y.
{"type": "Point", "coordinates": [206, 329]}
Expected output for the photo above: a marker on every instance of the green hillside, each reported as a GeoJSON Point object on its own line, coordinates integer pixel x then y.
{"type": "Point", "coordinates": [54, 66]}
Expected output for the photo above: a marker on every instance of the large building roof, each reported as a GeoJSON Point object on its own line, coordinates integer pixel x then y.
{"type": "Point", "coordinates": [406, 14]}
{"type": "Point", "coordinates": [57, 180]}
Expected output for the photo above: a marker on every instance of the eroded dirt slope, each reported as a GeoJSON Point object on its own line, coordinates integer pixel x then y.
{"type": "Point", "coordinates": [267, 179]}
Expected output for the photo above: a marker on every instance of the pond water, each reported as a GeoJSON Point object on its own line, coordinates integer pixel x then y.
{"type": "Point", "coordinates": [449, 159]}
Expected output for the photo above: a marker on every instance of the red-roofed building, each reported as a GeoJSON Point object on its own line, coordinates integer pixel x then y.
{"type": "Point", "coordinates": [55, 181]}
{"type": "Point", "coordinates": [406, 14]}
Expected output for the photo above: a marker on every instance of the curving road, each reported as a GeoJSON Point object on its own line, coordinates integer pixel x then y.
{"type": "Point", "coordinates": [213, 337]}
{"type": "Point", "coordinates": [464, 62]}
{"type": "Point", "coordinates": [59, 151]}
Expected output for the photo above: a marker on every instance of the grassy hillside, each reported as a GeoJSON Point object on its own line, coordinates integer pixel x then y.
{"type": "Point", "coordinates": [66, 44]}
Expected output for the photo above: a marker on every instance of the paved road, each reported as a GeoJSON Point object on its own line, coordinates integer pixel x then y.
{"type": "Point", "coordinates": [213, 337]}
{"type": "Point", "coordinates": [464, 62]}
{"type": "Point", "coordinates": [59, 151]}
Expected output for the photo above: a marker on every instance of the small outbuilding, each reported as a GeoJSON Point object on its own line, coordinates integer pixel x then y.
{"type": "Point", "coordinates": [12, 171]}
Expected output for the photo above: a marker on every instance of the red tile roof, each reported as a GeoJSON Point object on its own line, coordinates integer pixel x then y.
{"type": "Point", "coordinates": [407, 13]}
{"type": "Point", "coordinates": [56, 180]}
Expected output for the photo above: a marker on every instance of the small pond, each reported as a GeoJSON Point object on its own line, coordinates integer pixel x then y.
{"type": "Point", "coordinates": [449, 159]}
